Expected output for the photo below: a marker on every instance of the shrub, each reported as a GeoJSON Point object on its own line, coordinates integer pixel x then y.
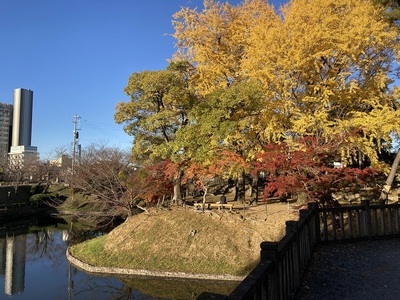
{"type": "Point", "coordinates": [38, 198]}
{"type": "Point", "coordinates": [38, 189]}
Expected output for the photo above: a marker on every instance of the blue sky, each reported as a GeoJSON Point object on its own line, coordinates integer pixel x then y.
{"type": "Point", "coordinates": [77, 56]}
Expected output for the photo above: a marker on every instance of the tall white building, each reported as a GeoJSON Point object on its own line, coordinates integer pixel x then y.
{"type": "Point", "coordinates": [22, 118]}
{"type": "Point", "coordinates": [22, 153]}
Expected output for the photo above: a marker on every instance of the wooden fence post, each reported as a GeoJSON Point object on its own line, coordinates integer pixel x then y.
{"type": "Point", "coordinates": [314, 209]}
{"type": "Point", "coordinates": [367, 218]}
{"type": "Point", "coordinates": [269, 252]}
{"type": "Point", "coordinates": [295, 265]}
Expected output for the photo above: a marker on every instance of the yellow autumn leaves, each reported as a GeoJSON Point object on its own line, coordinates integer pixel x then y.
{"type": "Point", "coordinates": [325, 66]}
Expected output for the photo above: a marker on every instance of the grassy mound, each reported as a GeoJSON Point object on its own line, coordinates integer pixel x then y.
{"type": "Point", "coordinates": [183, 240]}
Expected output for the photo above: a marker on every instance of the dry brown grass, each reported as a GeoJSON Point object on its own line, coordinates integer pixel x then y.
{"type": "Point", "coordinates": [181, 239]}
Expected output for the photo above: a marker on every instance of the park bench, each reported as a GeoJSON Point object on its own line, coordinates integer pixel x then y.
{"type": "Point", "coordinates": [213, 205]}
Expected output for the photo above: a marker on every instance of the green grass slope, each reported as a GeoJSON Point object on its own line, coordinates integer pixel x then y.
{"type": "Point", "coordinates": [184, 240]}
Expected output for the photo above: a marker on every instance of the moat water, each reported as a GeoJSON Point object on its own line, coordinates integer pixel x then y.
{"type": "Point", "coordinates": [33, 265]}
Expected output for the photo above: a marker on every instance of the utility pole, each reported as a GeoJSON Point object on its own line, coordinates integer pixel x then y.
{"type": "Point", "coordinates": [75, 121]}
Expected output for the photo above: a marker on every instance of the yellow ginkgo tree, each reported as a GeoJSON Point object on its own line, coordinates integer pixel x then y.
{"type": "Point", "coordinates": [215, 39]}
{"type": "Point", "coordinates": [327, 68]}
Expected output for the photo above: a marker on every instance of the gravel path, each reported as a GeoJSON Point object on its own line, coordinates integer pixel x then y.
{"type": "Point", "coordinates": [362, 270]}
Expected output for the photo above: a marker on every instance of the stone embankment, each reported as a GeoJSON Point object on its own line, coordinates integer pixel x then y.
{"type": "Point", "coordinates": [141, 272]}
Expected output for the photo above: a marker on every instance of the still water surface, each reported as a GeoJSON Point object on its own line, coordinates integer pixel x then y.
{"type": "Point", "coordinates": [33, 265]}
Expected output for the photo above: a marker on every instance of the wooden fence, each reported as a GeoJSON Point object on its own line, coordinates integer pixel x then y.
{"type": "Point", "coordinates": [282, 264]}
{"type": "Point", "coordinates": [365, 221]}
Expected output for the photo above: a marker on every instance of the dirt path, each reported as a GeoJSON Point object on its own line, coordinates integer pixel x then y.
{"type": "Point", "coordinates": [272, 217]}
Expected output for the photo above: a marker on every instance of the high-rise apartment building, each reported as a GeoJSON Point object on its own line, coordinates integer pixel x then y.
{"type": "Point", "coordinates": [22, 153]}
{"type": "Point", "coordinates": [6, 115]}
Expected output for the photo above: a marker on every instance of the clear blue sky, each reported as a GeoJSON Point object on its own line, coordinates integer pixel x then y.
{"type": "Point", "coordinates": [77, 56]}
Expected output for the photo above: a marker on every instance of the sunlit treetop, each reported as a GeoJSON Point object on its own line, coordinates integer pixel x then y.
{"type": "Point", "coordinates": [327, 67]}
{"type": "Point", "coordinates": [215, 39]}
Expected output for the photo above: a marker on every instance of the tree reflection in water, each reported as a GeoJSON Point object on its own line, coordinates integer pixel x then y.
{"type": "Point", "coordinates": [48, 275]}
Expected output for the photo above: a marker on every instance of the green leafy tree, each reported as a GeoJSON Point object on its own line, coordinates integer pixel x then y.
{"type": "Point", "coordinates": [160, 101]}
{"type": "Point", "coordinates": [158, 108]}
{"type": "Point", "coordinates": [392, 9]}
{"type": "Point", "coordinates": [222, 123]}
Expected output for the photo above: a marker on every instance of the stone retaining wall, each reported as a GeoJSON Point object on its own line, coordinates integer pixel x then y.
{"type": "Point", "coordinates": [141, 272]}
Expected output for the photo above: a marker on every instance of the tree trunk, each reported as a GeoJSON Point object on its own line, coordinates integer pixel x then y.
{"type": "Point", "coordinates": [205, 190]}
{"type": "Point", "coordinates": [389, 181]}
{"type": "Point", "coordinates": [236, 197]}
{"type": "Point", "coordinates": [177, 190]}
{"type": "Point", "coordinates": [254, 189]}
{"type": "Point", "coordinates": [244, 187]}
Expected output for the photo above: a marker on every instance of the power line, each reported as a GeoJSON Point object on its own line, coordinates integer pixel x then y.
{"type": "Point", "coordinates": [100, 125]}
{"type": "Point", "coordinates": [107, 130]}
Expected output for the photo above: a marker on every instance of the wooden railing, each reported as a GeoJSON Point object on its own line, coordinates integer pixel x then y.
{"type": "Point", "coordinates": [282, 264]}
{"type": "Point", "coordinates": [365, 221]}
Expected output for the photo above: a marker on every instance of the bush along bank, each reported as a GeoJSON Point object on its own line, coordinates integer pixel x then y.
{"type": "Point", "coordinates": [27, 200]}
